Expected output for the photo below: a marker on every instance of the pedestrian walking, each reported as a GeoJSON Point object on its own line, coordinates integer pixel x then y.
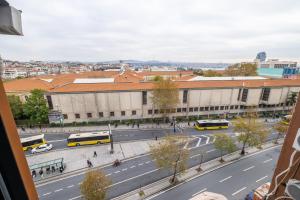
{"type": "Point", "coordinates": [155, 137]}
{"type": "Point", "coordinates": [95, 154]}
{"type": "Point", "coordinates": [33, 173]}
{"type": "Point", "coordinates": [138, 125]}
{"type": "Point", "coordinates": [41, 172]}
{"type": "Point", "coordinates": [53, 169]}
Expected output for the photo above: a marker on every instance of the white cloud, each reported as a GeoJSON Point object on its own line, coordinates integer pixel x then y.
{"type": "Point", "coordinates": [177, 30]}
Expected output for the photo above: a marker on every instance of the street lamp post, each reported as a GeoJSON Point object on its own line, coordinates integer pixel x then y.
{"type": "Point", "coordinates": [111, 140]}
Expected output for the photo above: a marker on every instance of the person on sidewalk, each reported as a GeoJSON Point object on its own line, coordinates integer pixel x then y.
{"type": "Point", "coordinates": [95, 154]}
{"type": "Point", "coordinates": [41, 172]}
{"type": "Point", "coordinates": [33, 173]}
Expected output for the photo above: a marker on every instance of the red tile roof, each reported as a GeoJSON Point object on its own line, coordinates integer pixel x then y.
{"type": "Point", "coordinates": [129, 80]}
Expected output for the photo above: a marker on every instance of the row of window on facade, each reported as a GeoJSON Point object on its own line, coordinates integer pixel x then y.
{"type": "Point", "coordinates": [183, 110]}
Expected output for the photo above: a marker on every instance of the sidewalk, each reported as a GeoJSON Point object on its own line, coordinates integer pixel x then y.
{"type": "Point", "coordinates": [120, 127]}
{"type": "Point", "coordinates": [192, 173]}
{"type": "Point", "coordinates": [76, 158]}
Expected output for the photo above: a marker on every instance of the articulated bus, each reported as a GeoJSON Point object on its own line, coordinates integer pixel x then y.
{"type": "Point", "coordinates": [33, 142]}
{"type": "Point", "coordinates": [98, 137]}
{"type": "Point", "coordinates": [286, 119]}
{"type": "Point", "coordinates": [211, 124]}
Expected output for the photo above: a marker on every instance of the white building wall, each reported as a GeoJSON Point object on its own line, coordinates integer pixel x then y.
{"type": "Point", "coordinates": [116, 102]}
{"type": "Point", "coordinates": [253, 96]}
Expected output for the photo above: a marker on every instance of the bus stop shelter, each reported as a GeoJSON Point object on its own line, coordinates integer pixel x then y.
{"type": "Point", "coordinates": [53, 165]}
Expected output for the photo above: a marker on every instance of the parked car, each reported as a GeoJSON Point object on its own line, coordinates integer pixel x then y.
{"type": "Point", "coordinates": [42, 148]}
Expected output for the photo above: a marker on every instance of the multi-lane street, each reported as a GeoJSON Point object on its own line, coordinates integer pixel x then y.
{"type": "Point", "coordinates": [234, 181]}
{"type": "Point", "coordinates": [130, 175]}
{"type": "Point", "coordinates": [59, 140]}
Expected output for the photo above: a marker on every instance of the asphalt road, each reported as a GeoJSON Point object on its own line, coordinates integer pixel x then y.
{"type": "Point", "coordinates": [59, 140]}
{"type": "Point", "coordinates": [129, 176]}
{"type": "Point", "coordinates": [234, 181]}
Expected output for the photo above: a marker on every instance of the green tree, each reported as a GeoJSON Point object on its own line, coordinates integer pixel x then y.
{"type": "Point", "coordinates": [251, 131]}
{"type": "Point", "coordinates": [35, 107]}
{"type": "Point", "coordinates": [165, 96]}
{"type": "Point", "coordinates": [224, 143]}
{"type": "Point", "coordinates": [170, 154]}
{"type": "Point", "coordinates": [281, 129]}
{"type": "Point", "coordinates": [211, 73]}
{"type": "Point", "coordinates": [242, 69]}
{"type": "Point", "coordinates": [94, 185]}
{"type": "Point", "coordinates": [16, 106]}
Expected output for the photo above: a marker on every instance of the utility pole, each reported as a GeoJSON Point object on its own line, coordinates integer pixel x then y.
{"type": "Point", "coordinates": [111, 140]}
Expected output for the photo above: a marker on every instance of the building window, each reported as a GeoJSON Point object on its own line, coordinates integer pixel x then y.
{"type": "Point", "coordinates": [112, 114]}
{"type": "Point", "coordinates": [77, 116]}
{"type": "Point", "coordinates": [144, 94]}
{"type": "Point", "coordinates": [242, 106]}
{"type": "Point", "coordinates": [156, 111]}
{"type": "Point", "coordinates": [206, 108]}
{"type": "Point", "coordinates": [122, 113]}
{"type": "Point", "coordinates": [150, 112]}
{"type": "Point", "coordinates": [212, 108]}
{"type": "Point", "coordinates": [239, 95]}
{"type": "Point", "coordinates": [89, 115]}
{"type": "Point", "coordinates": [185, 95]}
{"type": "Point", "coordinates": [281, 104]}
{"type": "Point", "coordinates": [216, 107]}
{"type": "Point", "coordinates": [173, 110]}
{"type": "Point", "coordinates": [244, 95]}
{"type": "Point", "coordinates": [236, 107]}
{"type": "Point", "coordinates": [201, 108]}
{"type": "Point", "coordinates": [133, 112]}
{"type": "Point", "coordinates": [100, 114]}
{"type": "Point", "coordinates": [65, 116]}
{"type": "Point", "coordinates": [196, 109]}
{"type": "Point", "coordinates": [231, 107]}
{"type": "Point", "coordinates": [226, 107]}
{"type": "Point", "coordinates": [183, 109]}
{"type": "Point", "coordinates": [178, 110]}
{"type": "Point", "coordinates": [191, 109]}
{"type": "Point", "coordinates": [265, 94]}
{"type": "Point", "coordinates": [221, 107]}
{"type": "Point", "coordinates": [49, 100]}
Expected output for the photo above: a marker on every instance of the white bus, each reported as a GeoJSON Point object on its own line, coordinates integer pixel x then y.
{"type": "Point", "coordinates": [33, 142]}
{"type": "Point", "coordinates": [97, 137]}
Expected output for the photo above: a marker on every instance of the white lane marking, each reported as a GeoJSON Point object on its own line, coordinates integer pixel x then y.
{"type": "Point", "coordinates": [75, 197]}
{"type": "Point", "coordinates": [133, 166]}
{"type": "Point", "coordinates": [233, 194]}
{"type": "Point", "coordinates": [262, 178]}
{"type": "Point", "coordinates": [134, 177]}
{"type": "Point", "coordinates": [248, 168]}
{"type": "Point", "coordinates": [199, 192]}
{"type": "Point", "coordinates": [70, 186]}
{"type": "Point", "coordinates": [211, 150]}
{"type": "Point", "coordinates": [198, 143]}
{"type": "Point", "coordinates": [214, 139]}
{"type": "Point", "coordinates": [46, 193]}
{"type": "Point", "coordinates": [207, 141]}
{"type": "Point", "coordinates": [148, 162]}
{"type": "Point", "coordinates": [117, 172]}
{"type": "Point", "coordinates": [124, 169]}
{"type": "Point", "coordinates": [268, 160]}
{"type": "Point", "coordinates": [58, 190]}
{"type": "Point", "coordinates": [108, 174]}
{"type": "Point", "coordinates": [141, 164]}
{"type": "Point", "coordinates": [186, 145]}
{"type": "Point", "coordinates": [221, 181]}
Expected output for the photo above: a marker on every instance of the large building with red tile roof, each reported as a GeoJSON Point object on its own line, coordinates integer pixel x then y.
{"type": "Point", "coordinates": [113, 95]}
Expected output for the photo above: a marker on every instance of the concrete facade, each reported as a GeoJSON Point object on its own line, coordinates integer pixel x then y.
{"type": "Point", "coordinates": [123, 105]}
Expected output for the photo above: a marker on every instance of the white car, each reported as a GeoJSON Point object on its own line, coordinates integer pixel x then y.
{"type": "Point", "coordinates": [42, 148]}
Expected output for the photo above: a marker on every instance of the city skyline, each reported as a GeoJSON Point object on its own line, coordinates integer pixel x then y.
{"type": "Point", "coordinates": [177, 31]}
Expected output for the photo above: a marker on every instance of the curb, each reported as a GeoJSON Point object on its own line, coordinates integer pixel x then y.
{"type": "Point", "coordinates": [164, 185]}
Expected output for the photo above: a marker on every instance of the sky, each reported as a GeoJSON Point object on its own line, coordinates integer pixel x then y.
{"type": "Point", "coordinates": [165, 30]}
